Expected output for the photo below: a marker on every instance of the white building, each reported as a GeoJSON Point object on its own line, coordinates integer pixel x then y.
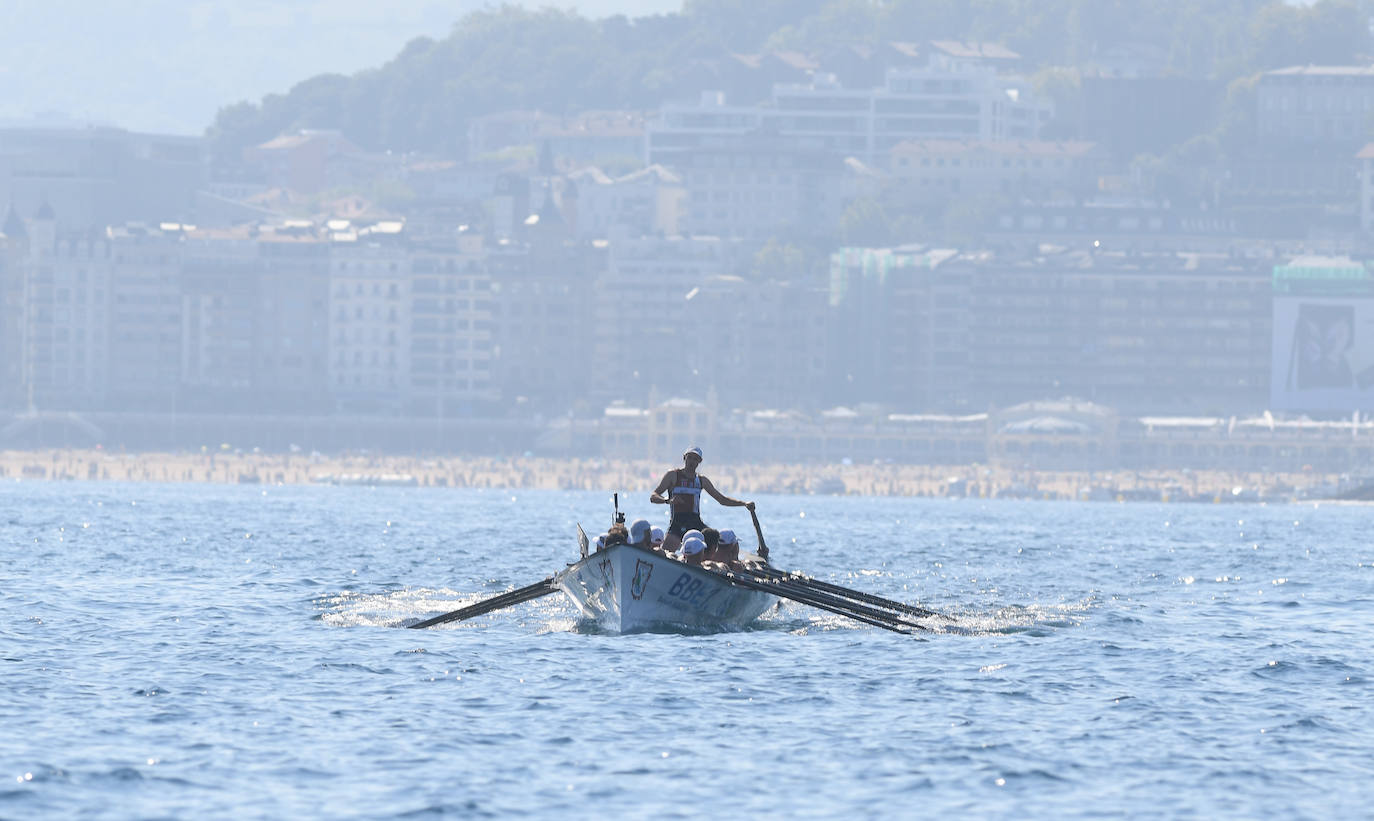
{"type": "Point", "coordinates": [369, 312]}
{"type": "Point", "coordinates": [754, 190]}
{"type": "Point", "coordinates": [64, 336]}
{"type": "Point", "coordinates": [935, 169]}
{"type": "Point", "coordinates": [144, 317]}
{"type": "Point", "coordinates": [641, 336]}
{"type": "Point", "coordinates": [451, 330]}
{"type": "Point", "coordinates": [648, 201]}
{"type": "Point", "coordinates": [952, 97]}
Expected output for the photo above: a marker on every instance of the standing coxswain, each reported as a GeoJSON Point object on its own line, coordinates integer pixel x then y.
{"type": "Point", "coordinates": [681, 490]}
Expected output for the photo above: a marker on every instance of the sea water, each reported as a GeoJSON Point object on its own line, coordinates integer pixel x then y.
{"type": "Point", "coordinates": [200, 651]}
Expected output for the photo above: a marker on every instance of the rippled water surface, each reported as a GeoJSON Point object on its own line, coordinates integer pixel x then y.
{"type": "Point", "coordinates": [198, 651]}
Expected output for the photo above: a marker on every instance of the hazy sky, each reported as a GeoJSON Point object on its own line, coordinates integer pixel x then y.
{"type": "Point", "coordinates": [169, 65]}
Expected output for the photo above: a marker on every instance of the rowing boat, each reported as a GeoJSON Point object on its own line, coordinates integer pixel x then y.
{"type": "Point", "coordinates": [628, 589]}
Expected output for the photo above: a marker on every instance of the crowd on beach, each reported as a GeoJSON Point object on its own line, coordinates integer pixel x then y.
{"type": "Point", "coordinates": [528, 472]}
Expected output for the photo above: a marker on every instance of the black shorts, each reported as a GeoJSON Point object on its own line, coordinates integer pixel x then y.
{"type": "Point", "coordinates": [683, 522]}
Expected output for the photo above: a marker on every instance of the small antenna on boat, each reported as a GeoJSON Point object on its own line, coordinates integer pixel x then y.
{"type": "Point", "coordinates": [619, 517]}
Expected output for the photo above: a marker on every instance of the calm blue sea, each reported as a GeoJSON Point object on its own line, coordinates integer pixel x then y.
{"type": "Point", "coordinates": [200, 651]}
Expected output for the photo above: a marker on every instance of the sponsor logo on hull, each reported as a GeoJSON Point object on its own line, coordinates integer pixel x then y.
{"type": "Point", "coordinates": [643, 570]}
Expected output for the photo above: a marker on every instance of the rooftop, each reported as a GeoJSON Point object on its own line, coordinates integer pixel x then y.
{"type": "Point", "coordinates": [1038, 148]}
{"type": "Point", "coordinates": [974, 49]}
{"type": "Point", "coordinates": [1323, 71]}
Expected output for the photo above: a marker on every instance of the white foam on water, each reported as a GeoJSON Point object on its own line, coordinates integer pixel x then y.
{"type": "Point", "coordinates": [393, 608]}
{"type": "Point", "coordinates": [1015, 618]}
{"type": "Point", "coordinates": [401, 608]}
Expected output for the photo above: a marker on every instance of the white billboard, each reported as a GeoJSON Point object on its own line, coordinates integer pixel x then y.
{"type": "Point", "coordinates": [1323, 354]}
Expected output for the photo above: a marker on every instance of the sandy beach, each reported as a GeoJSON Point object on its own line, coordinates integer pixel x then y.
{"type": "Point", "coordinates": [881, 479]}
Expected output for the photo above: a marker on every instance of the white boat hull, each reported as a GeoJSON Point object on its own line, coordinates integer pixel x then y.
{"type": "Point", "coordinates": [627, 589]}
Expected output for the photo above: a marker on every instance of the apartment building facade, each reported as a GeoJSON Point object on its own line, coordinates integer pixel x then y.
{"type": "Point", "coordinates": [61, 292]}
{"type": "Point", "coordinates": [96, 176]}
{"type": "Point", "coordinates": [932, 170]}
{"type": "Point", "coordinates": [747, 188]}
{"type": "Point", "coordinates": [897, 327]}
{"type": "Point", "coordinates": [953, 100]}
{"type": "Point", "coordinates": [542, 298]}
{"type": "Point", "coordinates": [13, 248]}
{"type": "Point", "coordinates": [452, 335]}
{"type": "Point", "coordinates": [144, 318]}
{"type": "Point", "coordinates": [647, 202]}
{"type": "Point", "coordinates": [1315, 104]}
{"type": "Point", "coordinates": [760, 343]}
{"type": "Point", "coordinates": [291, 318]}
{"type": "Point", "coordinates": [1160, 333]}
{"type": "Point", "coordinates": [958, 332]}
{"type": "Point", "coordinates": [642, 335]}
{"type": "Point", "coordinates": [370, 324]}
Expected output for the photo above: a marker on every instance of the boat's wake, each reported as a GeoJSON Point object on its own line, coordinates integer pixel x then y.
{"type": "Point", "coordinates": [404, 607]}
{"type": "Point", "coordinates": [1033, 619]}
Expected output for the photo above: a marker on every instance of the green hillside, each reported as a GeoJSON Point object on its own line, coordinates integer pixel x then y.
{"type": "Point", "coordinates": [560, 61]}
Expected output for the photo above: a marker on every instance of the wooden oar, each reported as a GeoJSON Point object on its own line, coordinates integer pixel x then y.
{"type": "Point", "coordinates": [758, 531]}
{"type": "Point", "coordinates": [835, 589]}
{"type": "Point", "coordinates": [846, 603]}
{"type": "Point", "coordinates": [845, 592]}
{"type": "Point", "coordinates": [844, 609]}
{"type": "Point", "coordinates": [830, 603]}
{"type": "Point", "coordinates": [809, 595]}
{"type": "Point", "coordinates": [514, 597]}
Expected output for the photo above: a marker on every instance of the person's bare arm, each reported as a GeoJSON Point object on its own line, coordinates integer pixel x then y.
{"type": "Point", "coordinates": [657, 496]}
{"type": "Point", "coordinates": [721, 497]}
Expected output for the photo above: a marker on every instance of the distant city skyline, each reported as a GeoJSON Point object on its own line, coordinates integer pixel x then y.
{"type": "Point", "coordinates": [1004, 248]}
{"type": "Point", "coordinates": [167, 67]}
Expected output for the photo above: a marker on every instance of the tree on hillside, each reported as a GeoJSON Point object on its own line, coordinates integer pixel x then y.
{"type": "Point", "coordinates": [1063, 87]}
{"type": "Point", "coordinates": [919, 20]}
{"type": "Point", "coordinates": [1235, 129]}
{"type": "Point", "coordinates": [777, 260]}
{"type": "Point", "coordinates": [845, 21]}
{"type": "Point", "coordinates": [865, 224]}
{"type": "Point", "coordinates": [1331, 32]}
{"type": "Point", "coordinates": [745, 27]}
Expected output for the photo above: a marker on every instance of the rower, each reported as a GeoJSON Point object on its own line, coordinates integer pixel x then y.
{"type": "Point", "coordinates": [641, 534]}
{"type": "Point", "coordinates": [617, 534]}
{"type": "Point", "coordinates": [693, 547]}
{"type": "Point", "coordinates": [727, 549]}
{"type": "Point", "coordinates": [712, 538]}
{"type": "Point", "coordinates": [681, 490]}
